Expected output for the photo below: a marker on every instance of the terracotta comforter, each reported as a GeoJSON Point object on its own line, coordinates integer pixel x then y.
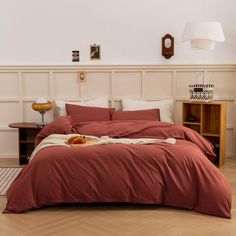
{"type": "Point", "coordinates": [178, 175]}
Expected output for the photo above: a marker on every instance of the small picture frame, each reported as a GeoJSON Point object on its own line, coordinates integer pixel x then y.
{"type": "Point", "coordinates": [75, 56]}
{"type": "Point", "coordinates": [95, 52]}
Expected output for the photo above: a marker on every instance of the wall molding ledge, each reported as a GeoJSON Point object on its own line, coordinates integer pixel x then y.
{"type": "Point", "coordinates": [20, 85]}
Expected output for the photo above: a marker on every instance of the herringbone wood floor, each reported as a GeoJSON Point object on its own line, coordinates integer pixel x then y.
{"type": "Point", "coordinates": [118, 220]}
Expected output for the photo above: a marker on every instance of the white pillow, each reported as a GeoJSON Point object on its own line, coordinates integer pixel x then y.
{"type": "Point", "coordinates": [60, 106]}
{"type": "Point", "coordinates": [165, 107]}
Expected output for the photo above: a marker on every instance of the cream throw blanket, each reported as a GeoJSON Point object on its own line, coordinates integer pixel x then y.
{"type": "Point", "coordinates": [60, 140]}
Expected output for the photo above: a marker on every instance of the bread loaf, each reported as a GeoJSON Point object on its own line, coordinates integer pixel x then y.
{"type": "Point", "coordinates": [77, 140]}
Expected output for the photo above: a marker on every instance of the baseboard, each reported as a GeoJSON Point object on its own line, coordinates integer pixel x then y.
{"type": "Point", "coordinates": [229, 155]}
{"type": "Point", "coordinates": [7, 156]}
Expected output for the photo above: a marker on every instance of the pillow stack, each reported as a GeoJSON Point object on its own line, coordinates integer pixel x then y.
{"type": "Point", "coordinates": [98, 110]}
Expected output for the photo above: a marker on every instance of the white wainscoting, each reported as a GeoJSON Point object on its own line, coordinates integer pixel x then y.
{"type": "Point", "coordinates": [21, 85]}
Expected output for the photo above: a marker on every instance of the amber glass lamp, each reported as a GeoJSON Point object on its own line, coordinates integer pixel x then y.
{"type": "Point", "coordinates": [42, 106]}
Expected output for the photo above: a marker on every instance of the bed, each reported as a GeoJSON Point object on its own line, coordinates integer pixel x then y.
{"type": "Point", "coordinates": [178, 175]}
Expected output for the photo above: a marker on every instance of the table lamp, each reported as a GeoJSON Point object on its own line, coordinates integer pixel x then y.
{"type": "Point", "coordinates": [202, 35]}
{"type": "Point", "coordinates": [42, 105]}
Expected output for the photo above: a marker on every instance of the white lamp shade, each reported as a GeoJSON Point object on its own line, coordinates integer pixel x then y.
{"type": "Point", "coordinates": [203, 35]}
{"type": "Point", "coordinates": [202, 44]}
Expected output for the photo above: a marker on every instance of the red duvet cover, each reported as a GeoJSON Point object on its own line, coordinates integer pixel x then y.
{"type": "Point", "coordinates": [178, 175]}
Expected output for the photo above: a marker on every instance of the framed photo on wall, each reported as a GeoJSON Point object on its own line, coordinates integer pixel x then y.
{"type": "Point", "coordinates": [95, 52]}
{"type": "Point", "coordinates": [75, 55]}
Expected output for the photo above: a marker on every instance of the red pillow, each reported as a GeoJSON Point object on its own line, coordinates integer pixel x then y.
{"type": "Point", "coordinates": [85, 114]}
{"type": "Point", "coordinates": [61, 125]}
{"type": "Point", "coordinates": [150, 114]}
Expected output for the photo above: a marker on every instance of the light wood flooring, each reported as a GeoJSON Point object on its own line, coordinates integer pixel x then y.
{"type": "Point", "coordinates": [114, 220]}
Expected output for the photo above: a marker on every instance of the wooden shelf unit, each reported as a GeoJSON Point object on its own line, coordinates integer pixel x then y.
{"type": "Point", "coordinates": [27, 133]}
{"type": "Point", "coordinates": [208, 119]}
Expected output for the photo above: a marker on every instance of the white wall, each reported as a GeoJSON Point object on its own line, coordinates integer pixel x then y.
{"type": "Point", "coordinates": [129, 31]}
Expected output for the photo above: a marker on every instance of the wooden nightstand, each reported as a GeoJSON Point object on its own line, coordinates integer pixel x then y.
{"type": "Point", "coordinates": [208, 119]}
{"type": "Point", "coordinates": [26, 137]}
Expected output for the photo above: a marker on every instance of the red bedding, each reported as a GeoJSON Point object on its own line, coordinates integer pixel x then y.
{"type": "Point", "coordinates": [178, 175]}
